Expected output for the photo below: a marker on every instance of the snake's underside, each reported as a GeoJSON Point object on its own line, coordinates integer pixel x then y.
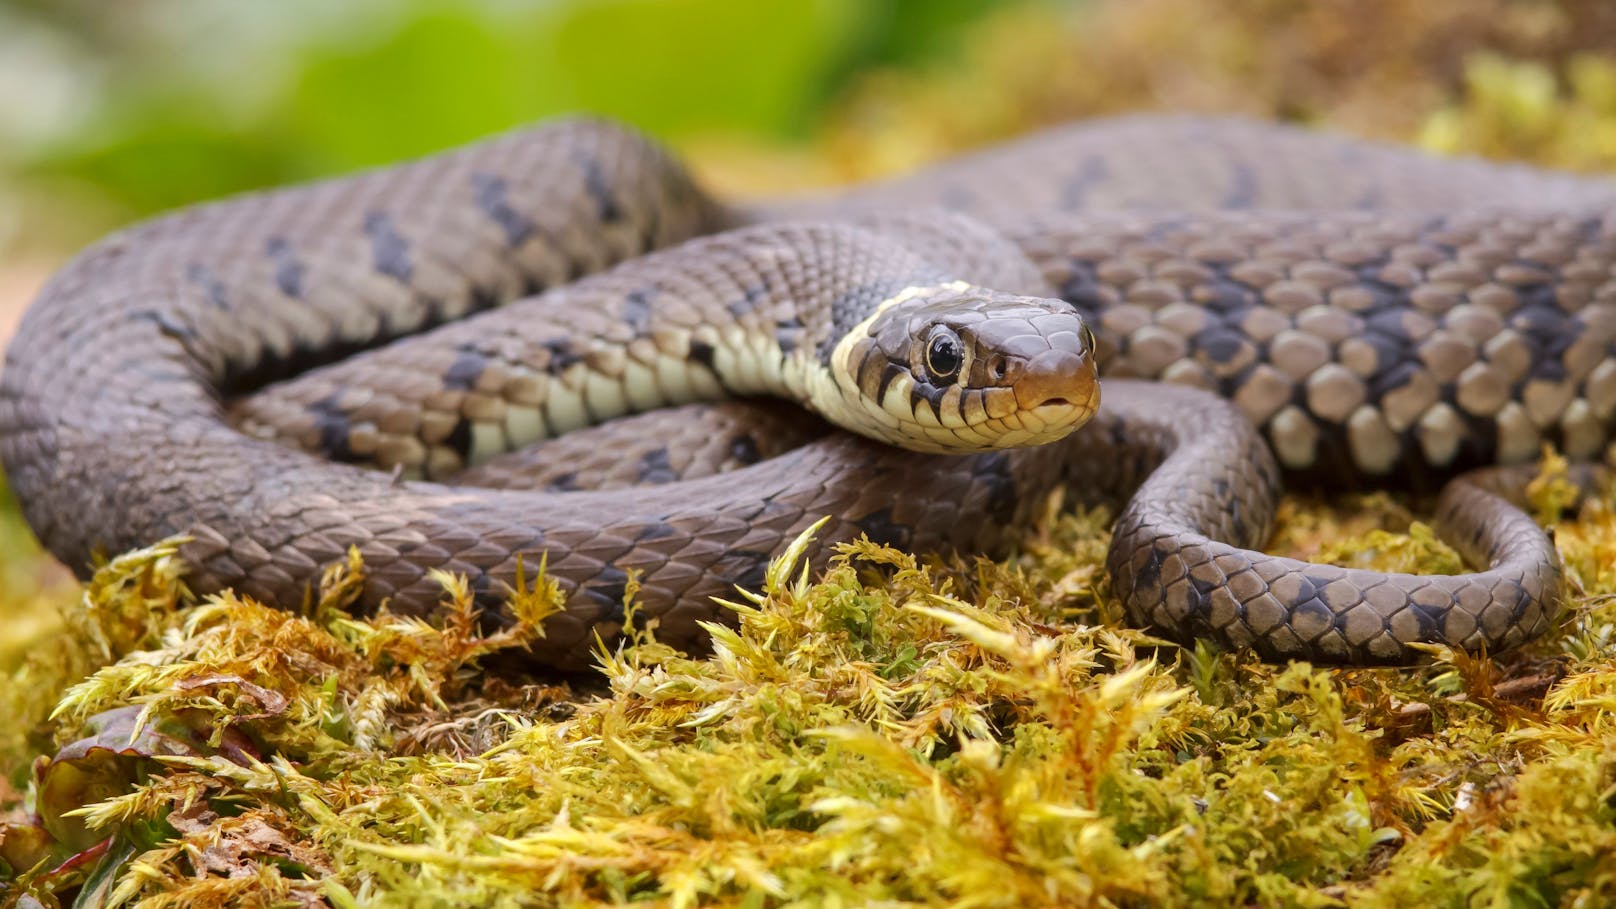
{"type": "Point", "coordinates": [500, 354]}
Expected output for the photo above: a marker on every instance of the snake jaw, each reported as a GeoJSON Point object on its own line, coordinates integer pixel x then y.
{"type": "Point", "coordinates": [1058, 418]}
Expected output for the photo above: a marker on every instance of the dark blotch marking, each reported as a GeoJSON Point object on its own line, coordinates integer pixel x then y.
{"type": "Point", "coordinates": [1314, 607]}
{"type": "Point", "coordinates": [658, 530]}
{"type": "Point", "coordinates": [1338, 620]}
{"type": "Point", "coordinates": [1310, 600]}
{"type": "Point", "coordinates": [1083, 290]}
{"type": "Point", "coordinates": [753, 297]}
{"type": "Point", "coordinates": [637, 309]}
{"type": "Point", "coordinates": [855, 304]}
{"type": "Point", "coordinates": [1389, 324]}
{"type": "Point", "coordinates": [489, 596]}
{"type": "Point", "coordinates": [1368, 272]}
{"type": "Point", "coordinates": [1430, 627]}
{"type": "Point", "coordinates": [892, 371]}
{"type": "Point", "coordinates": [459, 439]}
{"type": "Point", "coordinates": [1198, 593]}
{"type": "Point", "coordinates": [389, 251]}
{"type": "Point", "coordinates": [703, 353]}
{"type": "Point", "coordinates": [214, 289]}
{"type": "Point", "coordinates": [1225, 295]}
{"type": "Point", "coordinates": [490, 193]}
{"type": "Point", "coordinates": [484, 298]}
{"type": "Point", "coordinates": [1520, 596]}
{"type": "Point", "coordinates": [787, 333]}
{"type": "Point", "coordinates": [1388, 350]}
{"type": "Point", "coordinates": [881, 529]}
{"type": "Point", "coordinates": [599, 189]}
{"type": "Point", "coordinates": [1237, 523]}
{"type": "Point", "coordinates": [563, 482]}
{"type": "Point", "coordinates": [332, 422]}
{"type": "Point", "coordinates": [1547, 330]}
{"type": "Point", "coordinates": [1590, 230]}
{"type": "Point", "coordinates": [289, 271]}
{"type": "Point", "coordinates": [743, 450]}
{"type": "Point", "coordinates": [655, 468]}
{"type": "Point", "coordinates": [1149, 576]}
{"type": "Point", "coordinates": [562, 356]}
{"type": "Point", "coordinates": [607, 590]}
{"type": "Point", "coordinates": [744, 568]}
{"type": "Point", "coordinates": [1391, 378]}
{"type": "Point", "coordinates": [1541, 303]}
{"type": "Point", "coordinates": [464, 372]}
{"type": "Point", "coordinates": [1219, 342]}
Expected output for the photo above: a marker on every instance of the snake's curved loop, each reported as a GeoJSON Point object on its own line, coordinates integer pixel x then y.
{"type": "Point", "coordinates": [142, 394]}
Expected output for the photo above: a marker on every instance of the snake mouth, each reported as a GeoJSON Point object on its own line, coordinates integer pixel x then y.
{"type": "Point", "coordinates": [1053, 379]}
{"type": "Point", "coordinates": [1057, 416]}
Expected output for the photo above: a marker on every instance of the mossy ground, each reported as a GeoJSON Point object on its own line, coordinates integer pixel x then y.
{"type": "Point", "coordinates": [971, 733]}
{"type": "Point", "coordinates": [982, 733]}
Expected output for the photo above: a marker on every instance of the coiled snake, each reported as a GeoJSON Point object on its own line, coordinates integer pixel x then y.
{"type": "Point", "coordinates": [1366, 313]}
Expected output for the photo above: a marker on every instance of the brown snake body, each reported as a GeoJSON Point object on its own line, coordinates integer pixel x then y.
{"type": "Point", "coordinates": [1375, 314]}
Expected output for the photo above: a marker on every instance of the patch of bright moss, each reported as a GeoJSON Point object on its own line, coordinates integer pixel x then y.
{"type": "Point", "coordinates": [939, 734]}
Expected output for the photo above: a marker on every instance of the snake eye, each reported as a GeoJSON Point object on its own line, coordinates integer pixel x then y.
{"type": "Point", "coordinates": [1088, 338]}
{"type": "Point", "coordinates": [944, 354]}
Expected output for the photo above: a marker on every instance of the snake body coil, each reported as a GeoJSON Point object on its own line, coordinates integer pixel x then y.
{"type": "Point", "coordinates": [1366, 312]}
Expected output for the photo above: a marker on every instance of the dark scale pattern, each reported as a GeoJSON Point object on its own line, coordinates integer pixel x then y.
{"type": "Point", "coordinates": [1399, 345]}
{"type": "Point", "coordinates": [1180, 564]}
{"type": "Point", "coordinates": [1445, 354]}
{"type": "Point", "coordinates": [854, 305]}
{"type": "Point", "coordinates": [490, 193]}
{"type": "Point", "coordinates": [389, 251]}
{"type": "Point", "coordinates": [288, 270]}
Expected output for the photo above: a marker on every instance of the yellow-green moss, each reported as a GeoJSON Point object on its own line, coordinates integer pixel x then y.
{"type": "Point", "coordinates": [929, 734]}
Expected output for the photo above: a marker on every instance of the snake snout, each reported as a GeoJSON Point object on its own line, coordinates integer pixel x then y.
{"type": "Point", "coordinates": [1054, 366]}
{"type": "Point", "coordinates": [1055, 378]}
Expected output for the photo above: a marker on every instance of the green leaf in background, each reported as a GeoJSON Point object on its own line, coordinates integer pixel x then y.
{"type": "Point", "coordinates": [193, 100]}
{"type": "Point", "coordinates": [677, 65]}
{"type": "Point", "coordinates": [669, 66]}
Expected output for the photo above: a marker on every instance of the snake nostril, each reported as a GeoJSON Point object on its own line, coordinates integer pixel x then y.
{"type": "Point", "coordinates": [997, 368]}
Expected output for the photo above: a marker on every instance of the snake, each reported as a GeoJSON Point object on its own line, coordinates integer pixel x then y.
{"type": "Point", "coordinates": [554, 348]}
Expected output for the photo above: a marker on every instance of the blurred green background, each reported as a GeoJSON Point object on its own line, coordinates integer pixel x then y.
{"type": "Point", "coordinates": [110, 111]}
{"type": "Point", "coordinates": [115, 110]}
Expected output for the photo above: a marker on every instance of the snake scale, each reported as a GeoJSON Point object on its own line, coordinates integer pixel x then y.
{"type": "Point", "coordinates": [502, 354]}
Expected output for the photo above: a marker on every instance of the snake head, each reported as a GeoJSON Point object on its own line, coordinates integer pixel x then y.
{"type": "Point", "coordinates": [957, 368]}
